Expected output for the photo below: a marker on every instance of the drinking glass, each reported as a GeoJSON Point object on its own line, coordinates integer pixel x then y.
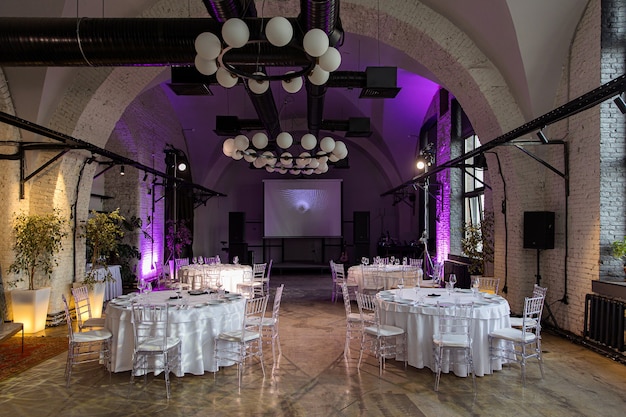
{"type": "Point", "coordinates": [367, 261]}
{"type": "Point", "coordinates": [194, 260]}
{"type": "Point", "coordinates": [475, 285]}
{"type": "Point", "coordinates": [452, 280]}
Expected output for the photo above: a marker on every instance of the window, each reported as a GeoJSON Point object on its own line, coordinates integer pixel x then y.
{"type": "Point", "coordinates": [474, 187]}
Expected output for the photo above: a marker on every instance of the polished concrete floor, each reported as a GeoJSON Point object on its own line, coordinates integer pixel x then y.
{"type": "Point", "coordinates": [312, 378]}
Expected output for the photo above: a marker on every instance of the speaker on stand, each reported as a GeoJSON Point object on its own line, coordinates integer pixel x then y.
{"type": "Point", "coordinates": [539, 234]}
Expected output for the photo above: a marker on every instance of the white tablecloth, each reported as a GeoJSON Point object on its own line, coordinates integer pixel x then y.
{"type": "Point", "coordinates": [387, 276]}
{"type": "Point", "coordinates": [420, 322]}
{"type": "Point", "coordinates": [112, 288]}
{"type": "Point", "coordinates": [230, 274]}
{"type": "Point", "coordinates": [196, 326]}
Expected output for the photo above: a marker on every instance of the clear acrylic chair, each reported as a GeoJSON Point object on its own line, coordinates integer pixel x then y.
{"type": "Point", "coordinates": [381, 340]}
{"type": "Point", "coordinates": [84, 347]}
{"type": "Point", "coordinates": [243, 343]}
{"type": "Point", "coordinates": [537, 292]}
{"type": "Point", "coordinates": [269, 325]}
{"type": "Point", "coordinates": [245, 287]}
{"type": "Point", "coordinates": [452, 341]}
{"type": "Point", "coordinates": [338, 274]}
{"type": "Point", "coordinates": [372, 279]}
{"type": "Point", "coordinates": [489, 285]}
{"type": "Point", "coordinates": [83, 310]}
{"type": "Point", "coordinates": [211, 277]}
{"type": "Point", "coordinates": [266, 278]}
{"type": "Point", "coordinates": [520, 344]}
{"type": "Point", "coordinates": [354, 326]}
{"type": "Point", "coordinates": [155, 350]}
{"type": "Point", "coordinates": [256, 285]}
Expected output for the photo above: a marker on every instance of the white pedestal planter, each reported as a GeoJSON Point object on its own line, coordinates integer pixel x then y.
{"type": "Point", "coordinates": [96, 298]}
{"type": "Point", "coordinates": [31, 308]}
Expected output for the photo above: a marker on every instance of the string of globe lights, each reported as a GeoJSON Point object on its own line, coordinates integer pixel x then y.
{"type": "Point", "coordinates": [322, 59]}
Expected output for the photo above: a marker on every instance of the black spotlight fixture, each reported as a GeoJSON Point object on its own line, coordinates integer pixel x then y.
{"type": "Point", "coordinates": [122, 170]}
{"type": "Point", "coordinates": [542, 137]}
{"type": "Point", "coordinates": [621, 105]}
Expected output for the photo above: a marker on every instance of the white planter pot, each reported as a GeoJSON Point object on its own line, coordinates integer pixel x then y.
{"type": "Point", "coordinates": [96, 297]}
{"type": "Point", "coordinates": [30, 307]}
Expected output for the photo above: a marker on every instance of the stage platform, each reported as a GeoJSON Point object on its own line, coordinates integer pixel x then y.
{"type": "Point", "coordinates": [300, 268]}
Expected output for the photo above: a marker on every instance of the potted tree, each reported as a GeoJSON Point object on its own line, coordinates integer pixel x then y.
{"type": "Point", "coordinates": [102, 232]}
{"type": "Point", "coordinates": [477, 244]}
{"type": "Point", "coordinates": [618, 250]}
{"type": "Point", "coordinates": [37, 239]}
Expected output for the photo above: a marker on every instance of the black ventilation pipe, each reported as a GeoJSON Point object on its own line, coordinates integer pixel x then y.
{"type": "Point", "coordinates": [320, 14]}
{"type": "Point", "coordinates": [264, 104]}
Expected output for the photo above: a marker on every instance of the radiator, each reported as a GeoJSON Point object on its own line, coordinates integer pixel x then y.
{"type": "Point", "coordinates": [604, 321]}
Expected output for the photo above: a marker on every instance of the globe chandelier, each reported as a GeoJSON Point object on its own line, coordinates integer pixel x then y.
{"type": "Point", "coordinates": [228, 61]}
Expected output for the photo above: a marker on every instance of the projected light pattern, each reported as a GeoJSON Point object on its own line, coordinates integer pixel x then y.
{"type": "Point", "coordinates": [309, 208]}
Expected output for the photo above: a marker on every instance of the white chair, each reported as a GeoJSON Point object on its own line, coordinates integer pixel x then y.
{"type": "Point", "coordinates": [453, 338]}
{"type": "Point", "coordinates": [245, 342]}
{"type": "Point", "coordinates": [155, 350]}
{"type": "Point", "coordinates": [257, 285]}
{"type": "Point", "coordinates": [372, 279]}
{"type": "Point", "coordinates": [84, 347]}
{"type": "Point", "coordinates": [354, 326]}
{"type": "Point", "coordinates": [83, 309]}
{"type": "Point", "coordinates": [519, 345]}
{"type": "Point", "coordinates": [211, 277]}
{"type": "Point", "coordinates": [379, 339]}
{"type": "Point", "coordinates": [489, 285]}
{"type": "Point", "coordinates": [338, 274]}
{"type": "Point", "coordinates": [410, 276]}
{"type": "Point", "coordinates": [245, 286]}
{"type": "Point", "coordinates": [269, 325]}
{"type": "Point", "coordinates": [537, 292]}
{"type": "Point", "coordinates": [266, 278]}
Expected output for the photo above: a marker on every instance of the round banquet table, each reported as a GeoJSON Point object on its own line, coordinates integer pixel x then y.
{"type": "Point", "coordinates": [230, 274]}
{"type": "Point", "coordinates": [196, 324]}
{"type": "Point", "coordinates": [387, 276]}
{"type": "Point", "coordinates": [403, 308]}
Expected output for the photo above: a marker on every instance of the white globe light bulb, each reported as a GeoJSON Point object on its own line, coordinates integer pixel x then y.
{"type": "Point", "coordinates": [292, 85]}
{"type": "Point", "coordinates": [225, 78]}
{"type": "Point", "coordinates": [228, 147]}
{"type": "Point", "coordinates": [235, 32]}
{"type": "Point", "coordinates": [259, 140]}
{"type": "Point", "coordinates": [205, 66]}
{"type": "Point", "coordinates": [327, 144]}
{"type": "Point", "coordinates": [284, 140]}
{"type": "Point", "coordinates": [208, 46]}
{"type": "Point", "coordinates": [315, 42]}
{"type": "Point", "coordinates": [279, 31]}
{"type": "Point", "coordinates": [241, 142]}
{"type": "Point", "coordinates": [331, 60]}
{"type": "Point", "coordinates": [318, 76]}
{"type": "Point", "coordinates": [258, 87]}
{"type": "Point", "coordinates": [308, 141]}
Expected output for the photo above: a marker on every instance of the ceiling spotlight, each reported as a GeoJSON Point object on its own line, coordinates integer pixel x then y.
{"type": "Point", "coordinates": [542, 137]}
{"type": "Point", "coordinates": [122, 170]}
{"type": "Point", "coordinates": [145, 176]}
{"type": "Point", "coordinates": [421, 164]}
{"type": "Point", "coordinates": [182, 167]}
{"type": "Point", "coordinates": [621, 105]}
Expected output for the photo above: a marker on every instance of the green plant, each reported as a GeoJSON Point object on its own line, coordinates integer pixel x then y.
{"type": "Point", "coordinates": [618, 249]}
{"type": "Point", "coordinates": [103, 232]}
{"type": "Point", "coordinates": [178, 237]}
{"type": "Point", "coordinates": [477, 243]}
{"type": "Point", "coordinates": [37, 239]}
{"type": "Point", "coordinates": [127, 252]}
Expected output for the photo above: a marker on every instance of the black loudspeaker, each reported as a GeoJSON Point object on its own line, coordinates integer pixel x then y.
{"type": "Point", "coordinates": [539, 230]}
{"type": "Point", "coordinates": [236, 227]}
{"type": "Point", "coordinates": [361, 226]}
{"type": "Point", "coordinates": [240, 250]}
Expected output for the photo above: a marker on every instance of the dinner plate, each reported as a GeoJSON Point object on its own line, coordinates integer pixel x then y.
{"type": "Point", "coordinates": [404, 301]}
{"type": "Point", "coordinates": [197, 292]}
{"type": "Point", "coordinates": [200, 305]}
{"type": "Point", "coordinates": [214, 302]}
{"type": "Point", "coordinates": [465, 290]}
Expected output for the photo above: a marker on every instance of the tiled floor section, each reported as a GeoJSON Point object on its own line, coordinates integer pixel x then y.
{"type": "Point", "coordinates": [313, 379]}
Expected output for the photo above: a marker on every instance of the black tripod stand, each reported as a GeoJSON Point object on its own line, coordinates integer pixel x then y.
{"type": "Point", "coordinates": [546, 305]}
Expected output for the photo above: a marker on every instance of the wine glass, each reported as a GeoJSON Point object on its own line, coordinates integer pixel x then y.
{"type": "Point", "coordinates": [475, 285]}
{"type": "Point", "coordinates": [366, 261]}
{"type": "Point", "coordinates": [194, 260]}
{"type": "Point", "coordinates": [141, 285]}
{"type": "Point", "coordinates": [452, 280]}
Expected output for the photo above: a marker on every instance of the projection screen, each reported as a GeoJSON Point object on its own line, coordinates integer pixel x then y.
{"type": "Point", "coordinates": [302, 208]}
